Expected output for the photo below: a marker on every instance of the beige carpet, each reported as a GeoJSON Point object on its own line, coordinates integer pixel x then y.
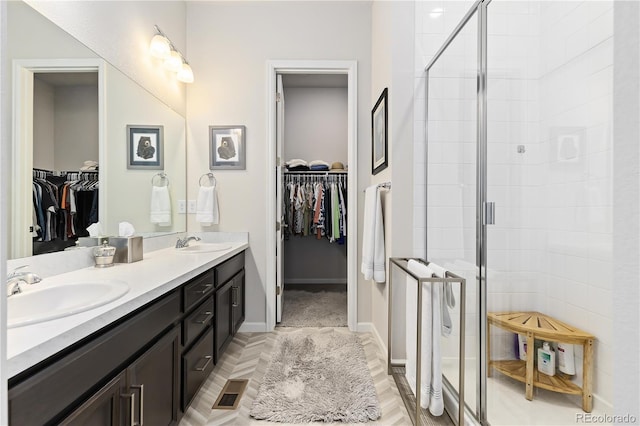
{"type": "Point", "coordinates": [317, 376]}
{"type": "Point", "coordinates": [314, 309]}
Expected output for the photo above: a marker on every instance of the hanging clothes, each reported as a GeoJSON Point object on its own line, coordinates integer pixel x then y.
{"type": "Point", "coordinates": [315, 204]}
{"type": "Point", "coordinates": [64, 204]}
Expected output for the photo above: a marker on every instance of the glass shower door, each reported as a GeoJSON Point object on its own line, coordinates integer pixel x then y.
{"type": "Point", "coordinates": [452, 146]}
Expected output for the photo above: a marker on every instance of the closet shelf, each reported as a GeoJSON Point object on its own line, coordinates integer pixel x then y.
{"type": "Point", "coordinates": [517, 369]}
{"type": "Point", "coordinates": [315, 172]}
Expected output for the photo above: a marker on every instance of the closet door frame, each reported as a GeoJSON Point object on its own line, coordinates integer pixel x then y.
{"type": "Point", "coordinates": [350, 69]}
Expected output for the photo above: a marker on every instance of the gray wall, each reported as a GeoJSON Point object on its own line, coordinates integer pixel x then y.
{"type": "Point", "coordinates": [229, 45]}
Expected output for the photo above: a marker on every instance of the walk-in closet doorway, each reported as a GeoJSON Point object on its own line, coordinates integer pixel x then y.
{"type": "Point", "coordinates": [321, 77]}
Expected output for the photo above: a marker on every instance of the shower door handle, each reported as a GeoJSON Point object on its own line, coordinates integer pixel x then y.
{"type": "Point", "coordinates": [489, 213]}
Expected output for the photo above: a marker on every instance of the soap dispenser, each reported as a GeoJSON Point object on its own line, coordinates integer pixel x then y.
{"type": "Point", "coordinates": [546, 360]}
{"type": "Point", "coordinates": [103, 255]}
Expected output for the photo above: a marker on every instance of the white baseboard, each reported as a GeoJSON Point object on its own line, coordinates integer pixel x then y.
{"type": "Point", "coordinates": [253, 327]}
{"type": "Point", "coordinates": [368, 327]}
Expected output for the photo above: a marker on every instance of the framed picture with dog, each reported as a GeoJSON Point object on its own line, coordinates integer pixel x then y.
{"type": "Point", "coordinates": [145, 148]}
{"type": "Point", "coordinates": [227, 147]}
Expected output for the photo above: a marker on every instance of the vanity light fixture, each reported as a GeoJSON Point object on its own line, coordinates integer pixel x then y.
{"type": "Point", "coordinates": [162, 48]}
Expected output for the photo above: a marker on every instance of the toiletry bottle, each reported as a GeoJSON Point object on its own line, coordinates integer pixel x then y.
{"type": "Point", "coordinates": [546, 360]}
{"type": "Point", "coordinates": [522, 347]}
{"type": "Point", "coordinates": [566, 362]}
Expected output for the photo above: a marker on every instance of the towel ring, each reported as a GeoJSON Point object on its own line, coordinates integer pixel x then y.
{"type": "Point", "coordinates": [212, 179]}
{"type": "Point", "coordinates": [163, 177]}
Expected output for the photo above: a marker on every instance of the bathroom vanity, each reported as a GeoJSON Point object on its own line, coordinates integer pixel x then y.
{"type": "Point", "coordinates": [138, 360]}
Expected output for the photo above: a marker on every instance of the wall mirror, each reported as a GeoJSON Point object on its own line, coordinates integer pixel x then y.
{"type": "Point", "coordinates": [71, 110]}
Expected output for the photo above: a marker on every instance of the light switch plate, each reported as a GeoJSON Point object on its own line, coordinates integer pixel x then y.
{"type": "Point", "coordinates": [191, 206]}
{"type": "Point", "coordinates": [182, 206]}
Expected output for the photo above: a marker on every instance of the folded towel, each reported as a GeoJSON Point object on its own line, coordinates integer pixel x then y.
{"type": "Point", "coordinates": [319, 163]}
{"type": "Point", "coordinates": [296, 162]}
{"type": "Point", "coordinates": [207, 206]}
{"type": "Point", "coordinates": [319, 168]}
{"type": "Point", "coordinates": [373, 259]}
{"type": "Point", "coordinates": [448, 299]}
{"type": "Point", "coordinates": [431, 363]}
{"type": "Point", "coordinates": [160, 205]}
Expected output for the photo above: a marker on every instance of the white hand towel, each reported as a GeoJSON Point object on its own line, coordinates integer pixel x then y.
{"type": "Point", "coordinates": [431, 368]}
{"type": "Point", "coordinates": [160, 205]}
{"type": "Point", "coordinates": [207, 206]}
{"type": "Point", "coordinates": [373, 258]}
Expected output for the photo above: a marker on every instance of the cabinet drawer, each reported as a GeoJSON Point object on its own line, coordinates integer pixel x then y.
{"type": "Point", "coordinates": [197, 290]}
{"type": "Point", "coordinates": [197, 321]}
{"type": "Point", "coordinates": [228, 269]}
{"type": "Point", "coordinates": [197, 364]}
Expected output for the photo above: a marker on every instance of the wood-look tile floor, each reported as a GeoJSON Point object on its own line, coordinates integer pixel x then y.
{"type": "Point", "coordinates": [247, 357]}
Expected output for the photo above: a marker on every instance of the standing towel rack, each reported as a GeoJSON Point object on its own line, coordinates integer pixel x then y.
{"type": "Point", "coordinates": [402, 262]}
{"type": "Point", "coordinates": [212, 179]}
{"type": "Point", "coordinates": [163, 178]}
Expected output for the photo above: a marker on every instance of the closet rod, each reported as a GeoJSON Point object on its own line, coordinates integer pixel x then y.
{"type": "Point", "coordinates": [313, 172]}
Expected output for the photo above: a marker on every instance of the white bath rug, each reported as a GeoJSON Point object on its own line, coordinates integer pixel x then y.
{"type": "Point", "coordinates": [319, 376]}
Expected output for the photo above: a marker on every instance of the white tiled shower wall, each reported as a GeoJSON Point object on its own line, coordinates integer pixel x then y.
{"type": "Point", "coordinates": [549, 90]}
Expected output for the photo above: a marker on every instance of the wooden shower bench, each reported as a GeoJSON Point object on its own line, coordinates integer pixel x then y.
{"type": "Point", "coordinates": [535, 325]}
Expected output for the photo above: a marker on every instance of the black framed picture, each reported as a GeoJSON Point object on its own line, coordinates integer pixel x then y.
{"type": "Point", "coordinates": [227, 147]}
{"type": "Point", "coordinates": [379, 147]}
{"type": "Point", "coordinates": [145, 148]}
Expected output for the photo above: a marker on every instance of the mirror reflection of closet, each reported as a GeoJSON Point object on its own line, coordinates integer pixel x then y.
{"type": "Point", "coordinates": [65, 141]}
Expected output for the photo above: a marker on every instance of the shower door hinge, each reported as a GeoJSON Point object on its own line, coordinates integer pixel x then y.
{"type": "Point", "coordinates": [278, 290]}
{"type": "Point", "coordinates": [278, 96]}
{"type": "Point", "coordinates": [489, 216]}
{"type": "Point", "coordinates": [277, 226]}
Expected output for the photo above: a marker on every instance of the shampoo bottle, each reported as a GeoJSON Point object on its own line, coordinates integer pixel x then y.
{"type": "Point", "coordinates": [522, 347]}
{"type": "Point", "coordinates": [546, 360]}
{"type": "Point", "coordinates": [566, 363]}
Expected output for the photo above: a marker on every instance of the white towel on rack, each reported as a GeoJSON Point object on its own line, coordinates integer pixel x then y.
{"type": "Point", "coordinates": [160, 205]}
{"type": "Point", "coordinates": [447, 301]}
{"type": "Point", "coordinates": [207, 212]}
{"type": "Point", "coordinates": [431, 361]}
{"type": "Point", "coordinates": [373, 259]}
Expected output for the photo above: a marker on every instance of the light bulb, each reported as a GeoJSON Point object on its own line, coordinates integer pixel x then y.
{"type": "Point", "coordinates": [173, 62]}
{"type": "Point", "coordinates": [185, 74]}
{"type": "Point", "coordinates": [159, 47]}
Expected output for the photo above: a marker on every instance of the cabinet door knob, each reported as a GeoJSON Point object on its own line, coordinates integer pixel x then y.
{"type": "Point", "coordinates": [207, 359]}
{"type": "Point", "coordinates": [141, 407]}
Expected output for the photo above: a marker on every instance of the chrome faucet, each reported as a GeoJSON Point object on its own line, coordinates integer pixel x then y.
{"type": "Point", "coordinates": [15, 278]}
{"type": "Point", "coordinates": [184, 242]}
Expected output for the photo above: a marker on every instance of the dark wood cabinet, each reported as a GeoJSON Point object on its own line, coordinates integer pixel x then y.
{"type": "Point", "coordinates": [106, 408]}
{"type": "Point", "coordinates": [153, 380]}
{"type": "Point", "coordinates": [223, 324]}
{"type": "Point", "coordinates": [229, 302]}
{"type": "Point", "coordinates": [144, 368]}
{"type": "Point", "coordinates": [237, 301]}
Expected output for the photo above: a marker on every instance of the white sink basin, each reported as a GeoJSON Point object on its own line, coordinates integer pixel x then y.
{"type": "Point", "coordinates": [204, 248]}
{"type": "Point", "coordinates": [42, 304]}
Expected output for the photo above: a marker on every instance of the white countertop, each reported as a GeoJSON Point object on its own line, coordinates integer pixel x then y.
{"type": "Point", "coordinates": [159, 272]}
